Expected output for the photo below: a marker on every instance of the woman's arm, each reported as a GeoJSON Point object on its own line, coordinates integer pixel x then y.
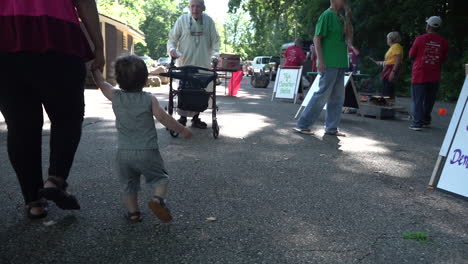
{"type": "Point", "coordinates": [167, 120]}
{"type": "Point", "coordinates": [87, 11]}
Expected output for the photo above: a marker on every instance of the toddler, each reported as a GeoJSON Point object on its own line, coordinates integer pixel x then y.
{"type": "Point", "coordinates": [138, 152]}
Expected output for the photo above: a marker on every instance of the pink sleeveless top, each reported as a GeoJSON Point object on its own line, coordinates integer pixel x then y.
{"type": "Point", "coordinates": [40, 26]}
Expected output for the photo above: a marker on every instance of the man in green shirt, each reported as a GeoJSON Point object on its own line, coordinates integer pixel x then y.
{"type": "Point", "coordinates": [333, 34]}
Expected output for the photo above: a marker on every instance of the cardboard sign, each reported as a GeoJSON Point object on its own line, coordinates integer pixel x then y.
{"type": "Point", "coordinates": [229, 62]}
{"type": "Point", "coordinates": [454, 177]}
{"type": "Point", "coordinates": [454, 151]}
{"type": "Point", "coordinates": [287, 83]}
{"type": "Point", "coordinates": [455, 119]}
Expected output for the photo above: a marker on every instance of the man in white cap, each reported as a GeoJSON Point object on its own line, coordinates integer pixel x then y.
{"type": "Point", "coordinates": [428, 53]}
{"type": "Point", "coordinates": [194, 41]}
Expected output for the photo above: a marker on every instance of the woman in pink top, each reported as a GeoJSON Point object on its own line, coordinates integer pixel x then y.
{"type": "Point", "coordinates": [42, 64]}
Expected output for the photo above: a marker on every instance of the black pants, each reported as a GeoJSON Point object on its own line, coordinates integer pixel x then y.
{"type": "Point", "coordinates": [423, 96]}
{"type": "Point", "coordinates": [388, 88]}
{"type": "Point", "coordinates": [29, 81]}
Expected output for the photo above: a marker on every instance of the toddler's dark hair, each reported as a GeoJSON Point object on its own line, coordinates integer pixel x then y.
{"type": "Point", "coordinates": [131, 73]}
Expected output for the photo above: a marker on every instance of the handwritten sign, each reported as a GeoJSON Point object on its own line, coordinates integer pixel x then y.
{"type": "Point", "coordinates": [287, 83]}
{"type": "Point", "coordinates": [454, 177]}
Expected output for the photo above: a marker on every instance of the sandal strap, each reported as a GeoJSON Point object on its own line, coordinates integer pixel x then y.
{"type": "Point", "coordinates": [137, 213]}
{"type": "Point", "coordinates": [37, 204]}
{"type": "Point", "coordinates": [161, 200]}
{"type": "Point", "coordinates": [60, 183]}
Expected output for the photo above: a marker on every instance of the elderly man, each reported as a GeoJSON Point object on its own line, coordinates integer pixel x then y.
{"type": "Point", "coordinates": [428, 53]}
{"type": "Point", "coordinates": [194, 40]}
{"type": "Point", "coordinates": [333, 34]}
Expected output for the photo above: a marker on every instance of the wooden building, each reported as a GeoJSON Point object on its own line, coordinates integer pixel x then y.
{"type": "Point", "coordinates": [119, 39]}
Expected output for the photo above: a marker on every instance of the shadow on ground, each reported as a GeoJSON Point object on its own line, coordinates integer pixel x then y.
{"type": "Point", "coordinates": [278, 197]}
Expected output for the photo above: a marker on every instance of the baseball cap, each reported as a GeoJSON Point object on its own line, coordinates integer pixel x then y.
{"type": "Point", "coordinates": [434, 21]}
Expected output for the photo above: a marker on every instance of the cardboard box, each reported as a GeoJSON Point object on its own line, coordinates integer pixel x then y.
{"type": "Point", "coordinates": [229, 62]}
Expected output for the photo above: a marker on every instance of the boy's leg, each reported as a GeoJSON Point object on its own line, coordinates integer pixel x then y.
{"type": "Point", "coordinates": [131, 202]}
{"type": "Point", "coordinates": [152, 167]}
{"type": "Point", "coordinates": [130, 178]}
{"type": "Point", "coordinates": [335, 104]}
{"type": "Point", "coordinates": [161, 191]}
{"type": "Point", "coordinates": [319, 99]}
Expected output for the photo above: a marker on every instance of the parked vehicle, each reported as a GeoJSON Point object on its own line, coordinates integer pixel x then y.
{"type": "Point", "coordinates": [259, 63]}
{"type": "Point", "coordinates": [165, 61]}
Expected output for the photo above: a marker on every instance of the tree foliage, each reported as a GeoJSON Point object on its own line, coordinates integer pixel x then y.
{"type": "Point", "coordinates": [153, 17]}
{"type": "Point", "coordinates": [274, 22]}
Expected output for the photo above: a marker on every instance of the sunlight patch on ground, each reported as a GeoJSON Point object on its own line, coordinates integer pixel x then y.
{"type": "Point", "coordinates": [248, 95]}
{"type": "Point", "coordinates": [241, 125]}
{"type": "Point", "coordinates": [361, 144]}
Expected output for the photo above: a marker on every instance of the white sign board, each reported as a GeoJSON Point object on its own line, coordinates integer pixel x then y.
{"type": "Point", "coordinates": [455, 118]}
{"type": "Point", "coordinates": [287, 83]}
{"type": "Point", "coordinates": [454, 176]}
{"type": "Point", "coordinates": [314, 88]}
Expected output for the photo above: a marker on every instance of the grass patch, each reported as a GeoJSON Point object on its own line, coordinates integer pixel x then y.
{"type": "Point", "coordinates": [417, 236]}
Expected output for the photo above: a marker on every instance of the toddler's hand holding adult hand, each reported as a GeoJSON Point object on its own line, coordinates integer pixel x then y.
{"type": "Point", "coordinates": [187, 133]}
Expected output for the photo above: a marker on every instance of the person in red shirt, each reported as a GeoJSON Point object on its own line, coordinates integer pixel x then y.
{"type": "Point", "coordinates": [295, 56]}
{"type": "Point", "coordinates": [428, 53]}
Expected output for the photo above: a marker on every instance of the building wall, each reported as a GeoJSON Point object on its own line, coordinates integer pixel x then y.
{"type": "Point", "coordinates": [114, 41]}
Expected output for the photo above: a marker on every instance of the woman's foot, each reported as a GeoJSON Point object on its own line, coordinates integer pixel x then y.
{"type": "Point", "coordinates": [159, 208]}
{"type": "Point", "coordinates": [55, 190]}
{"type": "Point", "coordinates": [37, 209]}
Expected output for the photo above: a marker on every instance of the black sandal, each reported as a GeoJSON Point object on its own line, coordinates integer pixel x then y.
{"type": "Point", "coordinates": [37, 204]}
{"type": "Point", "coordinates": [59, 196]}
{"type": "Point", "coordinates": [134, 217]}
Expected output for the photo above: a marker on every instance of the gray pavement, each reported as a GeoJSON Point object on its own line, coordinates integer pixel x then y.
{"type": "Point", "coordinates": [278, 197]}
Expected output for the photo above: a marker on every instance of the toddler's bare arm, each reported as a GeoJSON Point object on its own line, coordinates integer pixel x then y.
{"type": "Point", "coordinates": [168, 121]}
{"type": "Point", "coordinates": [106, 88]}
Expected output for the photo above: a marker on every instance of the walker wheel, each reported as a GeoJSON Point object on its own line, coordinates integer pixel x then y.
{"type": "Point", "coordinates": [215, 129]}
{"type": "Point", "coordinates": [173, 133]}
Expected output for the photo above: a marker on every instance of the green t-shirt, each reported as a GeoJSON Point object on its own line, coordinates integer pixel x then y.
{"type": "Point", "coordinates": [334, 49]}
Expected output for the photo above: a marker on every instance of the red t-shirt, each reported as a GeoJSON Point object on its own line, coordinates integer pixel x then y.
{"type": "Point", "coordinates": [429, 51]}
{"type": "Point", "coordinates": [294, 56]}
{"type": "Point", "coordinates": [40, 26]}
